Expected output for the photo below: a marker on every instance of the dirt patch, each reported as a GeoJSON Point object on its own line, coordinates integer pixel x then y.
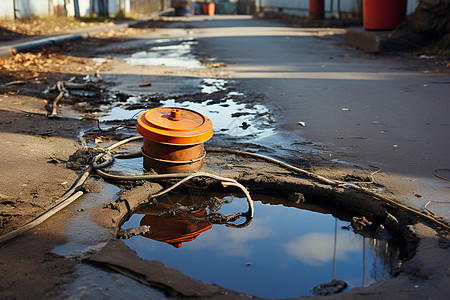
{"type": "Point", "coordinates": [37, 271]}
{"type": "Point", "coordinates": [33, 176]}
{"type": "Point", "coordinates": [18, 29]}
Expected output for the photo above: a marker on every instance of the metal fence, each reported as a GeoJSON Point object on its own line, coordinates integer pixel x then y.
{"type": "Point", "coordinates": [20, 9]}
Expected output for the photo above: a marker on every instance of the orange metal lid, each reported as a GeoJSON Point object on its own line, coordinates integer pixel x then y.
{"type": "Point", "coordinates": [176, 126]}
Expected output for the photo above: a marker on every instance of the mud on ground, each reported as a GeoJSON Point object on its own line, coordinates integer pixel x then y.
{"type": "Point", "coordinates": [34, 151]}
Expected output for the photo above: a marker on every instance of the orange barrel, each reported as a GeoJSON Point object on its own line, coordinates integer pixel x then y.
{"type": "Point", "coordinates": [176, 230]}
{"type": "Point", "coordinates": [316, 9]}
{"type": "Point", "coordinates": [209, 8]}
{"type": "Point", "coordinates": [173, 139]}
{"type": "Point", "coordinates": [383, 14]}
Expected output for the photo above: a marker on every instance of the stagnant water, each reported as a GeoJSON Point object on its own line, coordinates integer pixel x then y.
{"type": "Point", "coordinates": [228, 115]}
{"type": "Point", "coordinates": [284, 252]}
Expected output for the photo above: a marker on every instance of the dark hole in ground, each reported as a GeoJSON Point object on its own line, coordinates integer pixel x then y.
{"type": "Point", "coordinates": [291, 245]}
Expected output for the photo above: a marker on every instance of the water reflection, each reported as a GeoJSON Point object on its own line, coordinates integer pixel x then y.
{"type": "Point", "coordinates": [228, 116]}
{"type": "Point", "coordinates": [167, 52]}
{"type": "Point", "coordinates": [177, 219]}
{"type": "Point", "coordinates": [316, 248]}
{"type": "Point", "coordinates": [175, 230]}
{"type": "Point", "coordinates": [284, 252]}
{"type": "Point", "coordinates": [234, 243]}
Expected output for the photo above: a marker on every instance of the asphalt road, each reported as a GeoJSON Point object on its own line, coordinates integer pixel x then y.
{"type": "Point", "coordinates": [361, 109]}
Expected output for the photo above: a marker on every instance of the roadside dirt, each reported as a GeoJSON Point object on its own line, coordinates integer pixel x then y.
{"type": "Point", "coordinates": [35, 153]}
{"type": "Point", "coordinates": [35, 150]}
{"type": "Point", "coordinates": [18, 29]}
{"type": "Point", "coordinates": [33, 175]}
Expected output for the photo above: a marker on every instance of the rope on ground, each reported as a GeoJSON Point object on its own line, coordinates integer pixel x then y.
{"type": "Point", "coordinates": [434, 201]}
{"type": "Point", "coordinates": [320, 178]}
{"type": "Point", "coordinates": [107, 158]}
{"type": "Point", "coordinates": [41, 218]}
{"type": "Point", "coordinates": [441, 177]}
{"type": "Point", "coordinates": [68, 197]}
{"type": "Point", "coordinates": [278, 162]}
{"type": "Point", "coordinates": [225, 182]}
{"type": "Point", "coordinates": [441, 224]}
{"type": "Point", "coordinates": [185, 177]}
{"type": "Point", "coordinates": [430, 218]}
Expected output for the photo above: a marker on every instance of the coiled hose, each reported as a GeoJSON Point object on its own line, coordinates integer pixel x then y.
{"type": "Point", "coordinates": [107, 159]}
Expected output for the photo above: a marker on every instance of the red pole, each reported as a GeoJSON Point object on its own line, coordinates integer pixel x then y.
{"type": "Point", "coordinates": [316, 9]}
{"type": "Point", "coordinates": [383, 14]}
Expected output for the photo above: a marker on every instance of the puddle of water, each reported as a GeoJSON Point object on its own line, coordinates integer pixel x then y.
{"type": "Point", "coordinates": [232, 118]}
{"type": "Point", "coordinates": [85, 235]}
{"type": "Point", "coordinates": [127, 167]}
{"type": "Point", "coordinates": [171, 53]}
{"type": "Point", "coordinates": [284, 252]}
{"type": "Point", "coordinates": [118, 113]}
{"type": "Point", "coordinates": [213, 85]}
{"type": "Point", "coordinates": [82, 233]}
{"type": "Point", "coordinates": [228, 116]}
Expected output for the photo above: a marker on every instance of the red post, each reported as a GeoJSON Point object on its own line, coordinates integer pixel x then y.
{"type": "Point", "coordinates": [383, 14]}
{"type": "Point", "coordinates": [209, 8]}
{"type": "Point", "coordinates": [316, 9]}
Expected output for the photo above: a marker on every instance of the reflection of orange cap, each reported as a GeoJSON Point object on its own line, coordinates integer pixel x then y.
{"type": "Point", "coordinates": [175, 230]}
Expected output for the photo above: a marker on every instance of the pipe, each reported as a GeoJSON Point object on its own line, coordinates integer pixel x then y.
{"type": "Point", "coordinates": [74, 192]}
{"type": "Point", "coordinates": [41, 218]}
{"type": "Point", "coordinates": [278, 162]}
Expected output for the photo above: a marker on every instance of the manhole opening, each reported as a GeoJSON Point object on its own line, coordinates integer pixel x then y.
{"type": "Point", "coordinates": [289, 247]}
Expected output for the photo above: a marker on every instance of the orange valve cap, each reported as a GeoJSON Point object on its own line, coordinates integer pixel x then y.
{"type": "Point", "coordinates": [175, 114]}
{"type": "Point", "coordinates": [173, 139]}
{"type": "Point", "coordinates": [190, 127]}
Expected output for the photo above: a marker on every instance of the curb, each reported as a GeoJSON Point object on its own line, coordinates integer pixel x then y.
{"type": "Point", "coordinates": [7, 51]}
{"type": "Point", "coordinates": [306, 22]}
{"type": "Point", "coordinates": [382, 41]}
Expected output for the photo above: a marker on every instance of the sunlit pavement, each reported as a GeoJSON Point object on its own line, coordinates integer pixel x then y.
{"type": "Point", "coordinates": [363, 109]}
